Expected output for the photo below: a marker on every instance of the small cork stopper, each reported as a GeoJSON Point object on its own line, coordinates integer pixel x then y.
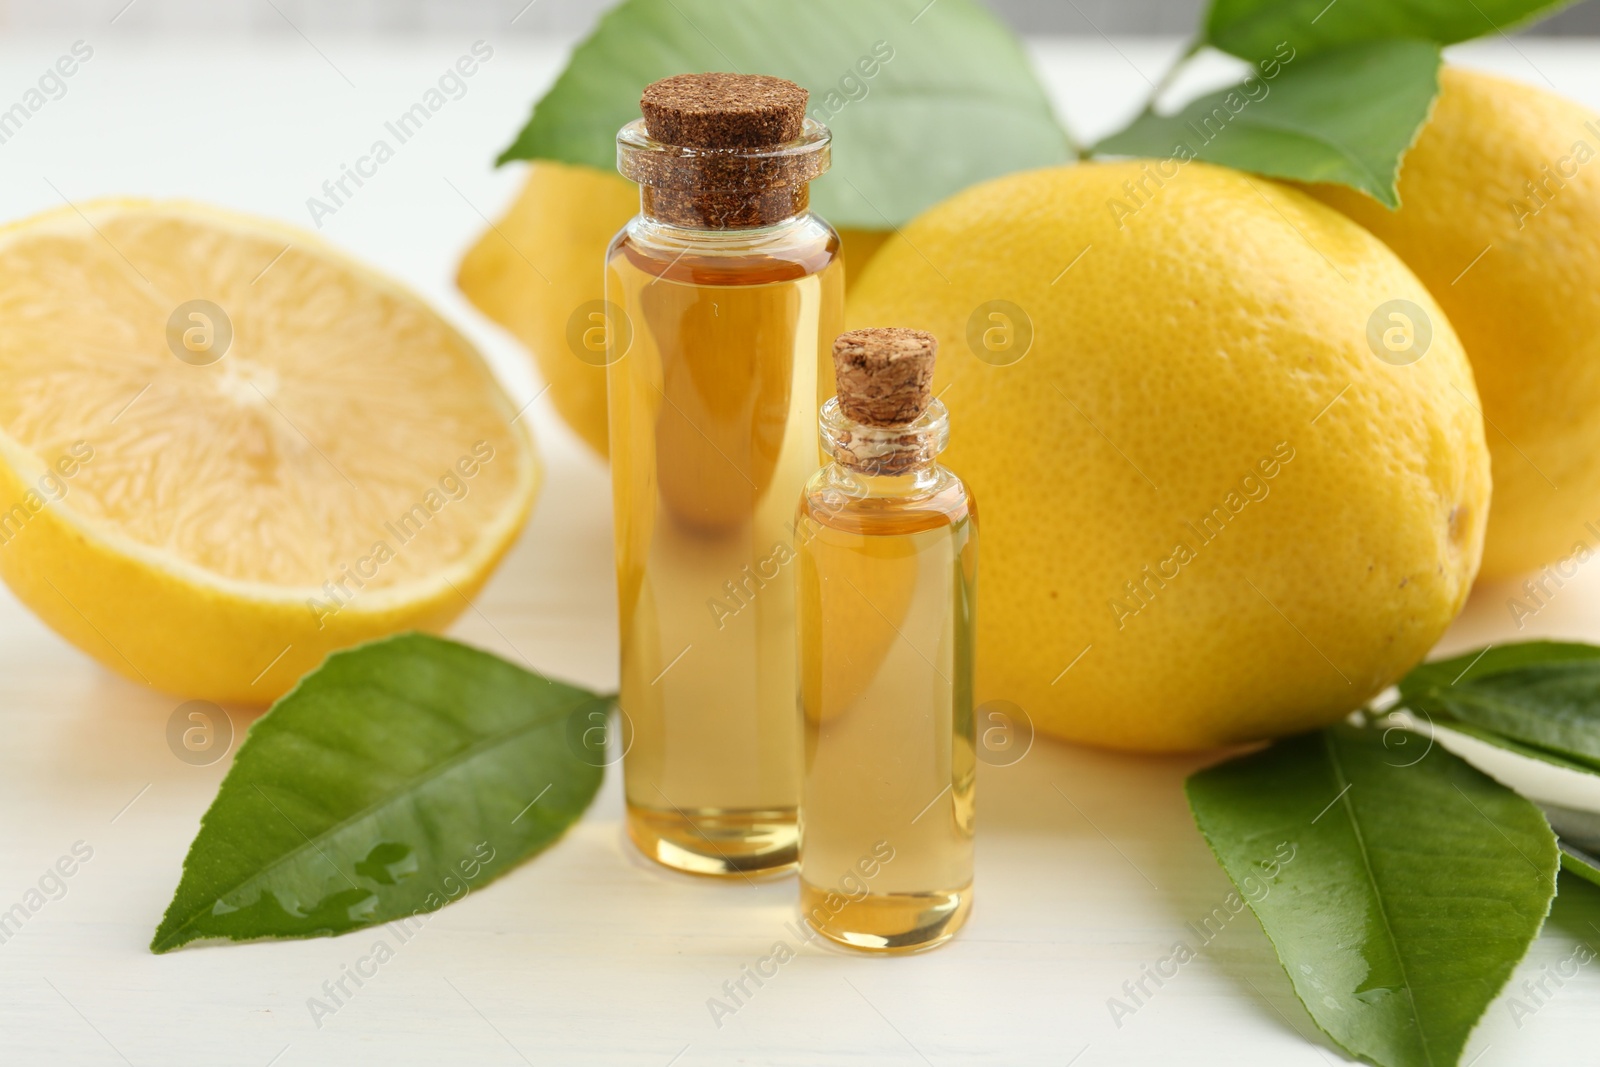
{"type": "Point", "coordinates": [884, 374]}
{"type": "Point", "coordinates": [723, 110]}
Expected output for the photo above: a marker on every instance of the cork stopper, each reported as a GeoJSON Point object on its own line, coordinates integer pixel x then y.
{"type": "Point", "coordinates": [723, 151]}
{"type": "Point", "coordinates": [884, 374]}
{"type": "Point", "coordinates": [723, 110]}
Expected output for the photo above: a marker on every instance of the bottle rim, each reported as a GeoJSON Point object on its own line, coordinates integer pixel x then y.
{"type": "Point", "coordinates": [643, 159]}
{"type": "Point", "coordinates": [884, 450]}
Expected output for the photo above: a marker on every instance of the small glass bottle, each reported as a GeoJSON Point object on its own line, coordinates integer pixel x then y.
{"type": "Point", "coordinates": [728, 288]}
{"type": "Point", "coordinates": [887, 572]}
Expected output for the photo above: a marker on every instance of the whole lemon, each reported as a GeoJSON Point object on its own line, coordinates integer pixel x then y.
{"type": "Point", "coordinates": [540, 273]}
{"type": "Point", "coordinates": [1499, 216]}
{"type": "Point", "coordinates": [1211, 511]}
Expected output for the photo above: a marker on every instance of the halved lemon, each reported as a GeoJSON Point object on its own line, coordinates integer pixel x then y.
{"type": "Point", "coordinates": [227, 449]}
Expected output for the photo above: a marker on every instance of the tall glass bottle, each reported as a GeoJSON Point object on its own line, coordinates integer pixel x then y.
{"type": "Point", "coordinates": [725, 290]}
{"type": "Point", "coordinates": [887, 584]}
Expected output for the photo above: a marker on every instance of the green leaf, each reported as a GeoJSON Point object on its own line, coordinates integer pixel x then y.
{"type": "Point", "coordinates": [1567, 792]}
{"type": "Point", "coordinates": [951, 99]}
{"type": "Point", "coordinates": [1411, 891]}
{"type": "Point", "coordinates": [1494, 660]}
{"type": "Point", "coordinates": [396, 777]}
{"type": "Point", "coordinates": [1578, 835]}
{"type": "Point", "coordinates": [1537, 758]}
{"type": "Point", "coordinates": [1542, 694]}
{"type": "Point", "coordinates": [1252, 29]}
{"type": "Point", "coordinates": [1585, 865]}
{"type": "Point", "coordinates": [1346, 117]}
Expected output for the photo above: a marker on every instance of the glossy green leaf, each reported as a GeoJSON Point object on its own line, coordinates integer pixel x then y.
{"type": "Point", "coordinates": [1414, 887]}
{"type": "Point", "coordinates": [395, 778]}
{"type": "Point", "coordinates": [1252, 29]}
{"type": "Point", "coordinates": [923, 99]}
{"type": "Point", "coordinates": [1345, 116]}
{"type": "Point", "coordinates": [1542, 694]}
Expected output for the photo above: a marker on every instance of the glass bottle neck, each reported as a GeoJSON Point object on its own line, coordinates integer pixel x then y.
{"type": "Point", "coordinates": [723, 212]}
{"type": "Point", "coordinates": [907, 455]}
{"type": "Point", "coordinates": [669, 235]}
{"type": "Point", "coordinates": [712, 189]}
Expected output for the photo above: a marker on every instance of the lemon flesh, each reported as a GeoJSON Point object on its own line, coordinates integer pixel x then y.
{"type": "Point", "coordinates": [228, 450]}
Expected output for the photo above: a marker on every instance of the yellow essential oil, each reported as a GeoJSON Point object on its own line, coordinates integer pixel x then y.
{"type": "Point", "coordinates": [887, 570]}
{"type": "Point", "coordinates": [725, 290]}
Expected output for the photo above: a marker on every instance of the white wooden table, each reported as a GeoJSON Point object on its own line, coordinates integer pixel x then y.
{"type": "Point", "coordinates": [590, 955]}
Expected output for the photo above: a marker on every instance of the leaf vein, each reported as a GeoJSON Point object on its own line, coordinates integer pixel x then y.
{"type": "Point", "coordinates": [1372, 883]}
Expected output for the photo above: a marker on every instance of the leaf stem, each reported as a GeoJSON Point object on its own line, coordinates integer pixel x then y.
{"type": "Point", "coordinates": [1165, 81]}
{"type": "Point", "coordinates": [1079, 150]}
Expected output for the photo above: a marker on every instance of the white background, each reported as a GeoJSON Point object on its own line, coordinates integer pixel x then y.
{"type": "Point", "coordinates": [1088, 864]}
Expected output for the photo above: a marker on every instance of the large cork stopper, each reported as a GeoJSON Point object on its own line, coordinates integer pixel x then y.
{"type": "Point", "coordinates": [884, 374]}
{"type": "Point", "coordinates": [723, 110]}
{"type": "Point", "coordinates": [725, 151]}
